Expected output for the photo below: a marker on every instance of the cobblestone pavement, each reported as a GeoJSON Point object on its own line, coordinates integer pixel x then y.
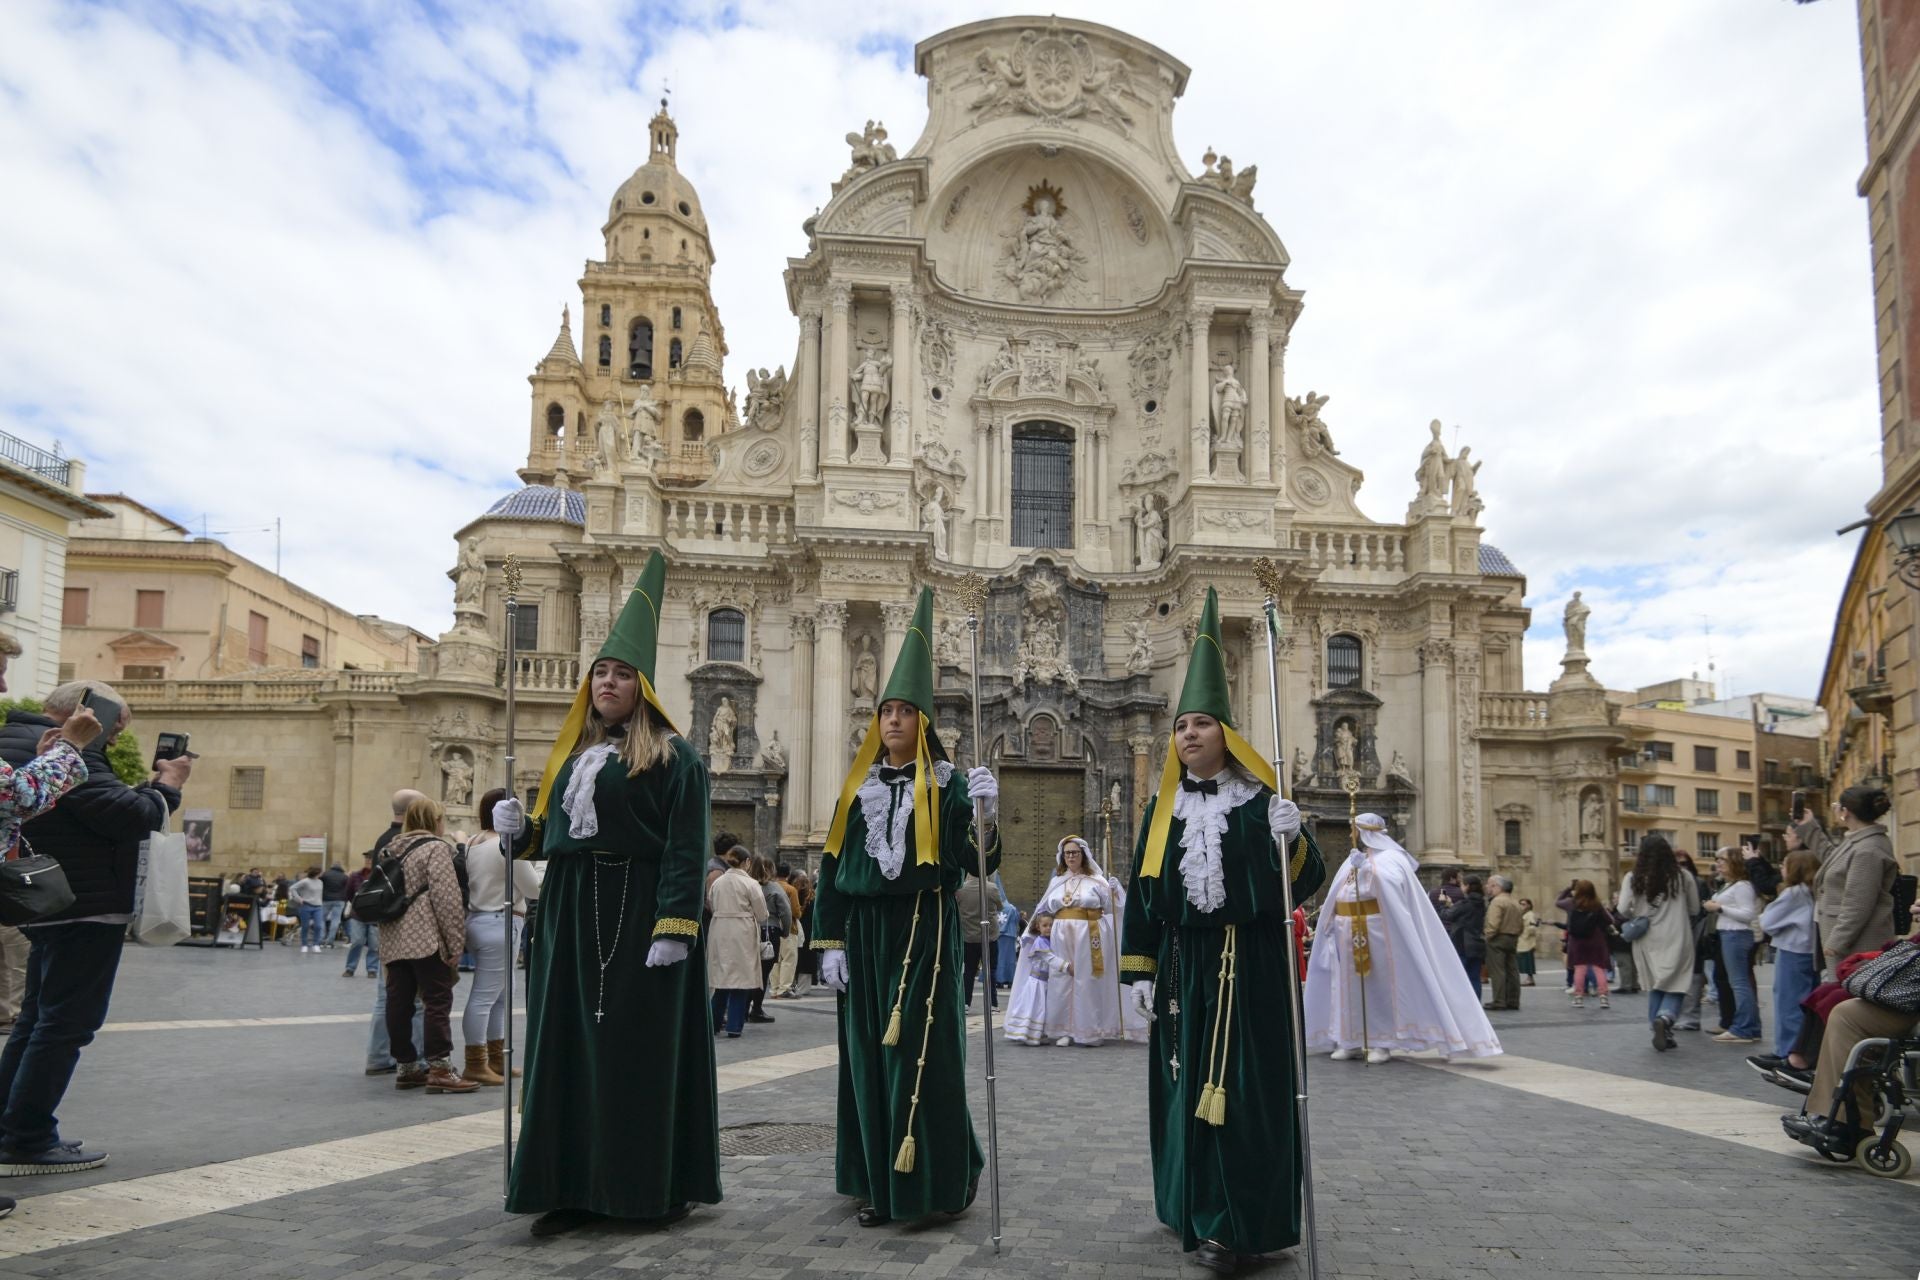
{"type": "Point", "coordinates": [1421, 1172]}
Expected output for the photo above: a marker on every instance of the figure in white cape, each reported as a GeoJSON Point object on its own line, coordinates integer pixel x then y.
{"type": "Point", "coordinates": [1083, 1000]}
{"type": "Point", "coordinates": [1416, 994]}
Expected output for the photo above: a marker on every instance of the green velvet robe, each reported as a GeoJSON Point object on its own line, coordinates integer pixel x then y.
{"type": "Point", "coordinates": [1237, 1183]}
{"type": "Point", "coordinates": [621, 1115]}
{"type": "Point", "coordinates": [873, 918]}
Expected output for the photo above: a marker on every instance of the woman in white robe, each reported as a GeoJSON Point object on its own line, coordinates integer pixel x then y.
{"type": "Point", "coordinates": [1417, 995]}
{"type": "Point", "coordinates": [1083, 1003]}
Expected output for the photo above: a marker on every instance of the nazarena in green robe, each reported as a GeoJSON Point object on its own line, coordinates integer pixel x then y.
{"type": "Point", "coordinates": [621, 1113]}
{"type": "Point", "coordinates": [900, 847]}
{"type": "Point", "coordinates": [1206, 921]}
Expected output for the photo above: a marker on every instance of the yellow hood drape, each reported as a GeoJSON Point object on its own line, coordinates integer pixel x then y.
{"type": "Point", "coordinates": [570, 729]}
{"type": "Point", "coordinates": [926, 821]}
{"type": "Point", "coordinates": [1239, 750]}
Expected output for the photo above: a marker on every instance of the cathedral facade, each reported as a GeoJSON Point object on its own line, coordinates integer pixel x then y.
{"type": "Point", "coordinates": [1036, 345]}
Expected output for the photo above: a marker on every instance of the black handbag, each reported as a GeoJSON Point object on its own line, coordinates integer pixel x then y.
{"type": "Point", "coordinates": [32, 887]}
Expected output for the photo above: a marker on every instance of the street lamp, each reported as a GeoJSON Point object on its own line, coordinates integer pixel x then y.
{"type": "Point", "coordinates": [1903, 532]}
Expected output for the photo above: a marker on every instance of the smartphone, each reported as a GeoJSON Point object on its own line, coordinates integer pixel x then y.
{"type": "Point", "coordinates": [1799, 809]}
{"type": "Point", "coordinates": [170, 746]}
{"type": "Point", "coordinates": [106, 711]}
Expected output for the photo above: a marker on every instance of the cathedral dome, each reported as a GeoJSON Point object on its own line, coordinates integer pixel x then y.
{"type": "Point", "coordinates": [541, 502]}
{"type": "Point", "coordinates": [658, 186]}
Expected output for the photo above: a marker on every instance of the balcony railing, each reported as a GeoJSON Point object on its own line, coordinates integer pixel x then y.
{"type": "Point", "coordinates": [1351, 549]}
{"type": "Point", "coordinates": [30, 457]}
{"type": "Point", "coordinates": [726, 524]}
{"type": "Point", "coordinates": [544, 672]}
{"type": "Point", "coordinates": [1513, 711]}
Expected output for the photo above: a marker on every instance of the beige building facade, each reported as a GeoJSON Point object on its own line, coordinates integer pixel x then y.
{"type": "Point", "coordinates": [1691, 775]}
{"type": "Point", "coordinates": [41, 498]}
{"type": "Point", "coordinates": [1037, 345]}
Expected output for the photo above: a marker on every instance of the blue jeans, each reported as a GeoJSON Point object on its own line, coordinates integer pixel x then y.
{"type": "Point", "coordinates": [363, 936]}
{"type": "Point", "coordinates": [730, 1010]}
{"type": "Point", "coordinates": [331, 928]}
{"type": "Point", "coordinates": [70, 972]}
{"type": "Point", "coordinates": [1664, 1004]}
{"type": "Point", "coordinates": [1794, 977]}
{"type": "Point", "coordinates": [1736, 954]}
{"type": "Point", "coordinates": [311, 914]}
{"type": "Point", "coordinates": [379, 1043]}
{"type": "Point", "coordinates": [1473, 966]}
{"type": "Point", "coordinates": [485, 1017]}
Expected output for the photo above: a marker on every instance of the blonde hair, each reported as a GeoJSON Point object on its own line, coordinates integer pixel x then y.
{"type": "Point", "coordinates": [1731, 856]}
{"type": "Point", "coordinates": [1799, 868]}
{"type": "Point", "coordinates": [424, 814]}
{"type": "Point", "coordinates": [647, 743]}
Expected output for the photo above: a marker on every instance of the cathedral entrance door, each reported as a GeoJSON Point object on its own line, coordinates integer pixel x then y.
{"type": "Point", "coordinates": [737, 818]}
{"type": "Point", "coordinates": [1037, 808]}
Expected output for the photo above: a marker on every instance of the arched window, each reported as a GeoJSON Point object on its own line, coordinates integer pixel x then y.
{"type": "Point", "coordinates": [556, 420]}
{"type": "Point", "coordinates": [606, 314]}
{"type": "Point", "coordinates": [726, 636]}
{"type": "Point", "coordinates": [640, 349]}
{"type": "Point", "coordinates": [606, 351]}
{"type": "Point", "coordinates": [1343, 662]}
{"type": "Point", "coordinates": [676, 317]}
{"type": "Point", "coordinates": [673, 354]}
{"type": "Point", "coordinates": [693, 426]}
{"type": "Point", "coordinates": [1042, 485]}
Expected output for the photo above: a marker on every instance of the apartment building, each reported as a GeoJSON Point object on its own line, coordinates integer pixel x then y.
{"type": "Point", "coordinates": [1691, 775]}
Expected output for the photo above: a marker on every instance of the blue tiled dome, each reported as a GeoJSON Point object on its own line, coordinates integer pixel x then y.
{"type": "Point", "coordinates": [542, 502]}
{"type": "Point", "coordinates": [1494, 563]}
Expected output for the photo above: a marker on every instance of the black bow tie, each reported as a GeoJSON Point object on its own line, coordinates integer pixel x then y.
{"type": "Point", "coordinates": [1211, 787]}
{"type": "Point", "coordinates": [892, 776]}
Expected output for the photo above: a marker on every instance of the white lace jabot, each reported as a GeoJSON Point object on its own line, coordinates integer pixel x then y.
{"type": "Point", "coordinates": [887, 842]}
{"type": "Point", "coordinates": [577, 802]}
{"type": "Point", "coordinates": [1206, 819]}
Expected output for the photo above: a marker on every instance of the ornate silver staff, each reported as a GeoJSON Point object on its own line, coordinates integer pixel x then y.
{"type": "Point", "coordinates": [1269, 575]}
{"type": "Point", "coordinates": [511, 572]}
{"type": "Point", "coordinates": [973, 594]}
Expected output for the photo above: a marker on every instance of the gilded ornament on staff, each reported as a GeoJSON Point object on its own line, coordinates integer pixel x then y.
{"type": "Point", "coordinates": [971, 591]}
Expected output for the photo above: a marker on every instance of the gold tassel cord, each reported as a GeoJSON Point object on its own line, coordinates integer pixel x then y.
{"type": "Point", "coordinates": [892, 1036]}
{"type": "Point", "coordinates": [1218, 1114]}
{"type": "Point", "coordinates": [904, 1162]}
{"type": "Point", "coordinates": [1213, 1099]}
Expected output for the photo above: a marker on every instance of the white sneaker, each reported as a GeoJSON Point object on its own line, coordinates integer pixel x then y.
{"type": "Point", "coordinates": [1343, 1055]}
{"type": "Point", "coordinates": [1063, 1042]}
{"type": "Point", "coordinates": [305, 950]}
{"type": "Point", "coordinates": [1377, 1056]}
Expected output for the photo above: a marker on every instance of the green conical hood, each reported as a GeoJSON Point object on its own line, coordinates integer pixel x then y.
{"type": "Point", "coordinates": [636, 634]}
{"type": "Point", "coordinates": [1206, 688]}
{"type": "Point", "coordinates": [912, 676]}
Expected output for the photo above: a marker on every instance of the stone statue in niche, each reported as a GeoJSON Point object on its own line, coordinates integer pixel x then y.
{"type": "Point", "coordinates": [1041, 258]}
{"type": "Point", "coordinates": [1593, 819]}
{"type": "Point", "coordinates": [773, 756]}
{"type": "Point", "coordinates": [866, 672]}
{"type": "Point", "coordinates": [720, 737]}
{"type": "Point", "coordinates": [870, 386]}
{"type": "Point", "coordinates": [1575, 621]}
{"type": "Point", "coordinates": [1139, 649]}
{"type": "Point", "coordinates": [1466, 498]}
{"type": "Point", "coordinates": [457, 772]}
{"type": "Point", "coordinates": [870, 148]}
{"type": "Point", "coordinates": [1344, 742]}
{"type": "Point", "coordinates": [1434, 472]}
{"type": "Point", "coordinates": [469, 574]}
{"type": "Point", "coordinates": [1153, 538]}
{"type": "Point", "coordinates": [1398, 769]}
{"type": "Point", "coordinates": [606, 437]}
{"type": "Point", "coordinates": [1302, 772]}
{"type": "Point", "coordinates": [1305, 411]}
{"type": "Point", "coordinates": [933, 515]}
{"type": "Point", "coordinates": [1239, 186]}
{"type": "Point", "coordinates": [1229, 410]}
{"type": "Point", "coordinates": [643, 425]}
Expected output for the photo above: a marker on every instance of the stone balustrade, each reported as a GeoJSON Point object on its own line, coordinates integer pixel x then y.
{"type": "Point", "coordinates": [1345, 548]}
{"type": "Point", "coordinates": [1514, 711]}
{"type": "Point", "coordinates": [238, 692]}
{"type": "Point", "coordinates": [726, 523]}
{"type": "Point", "coordinates": [544, 672]}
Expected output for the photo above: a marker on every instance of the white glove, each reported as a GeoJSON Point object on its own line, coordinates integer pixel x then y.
{"type": "Point", "coordinates": [1283, 819]}
{"type": "Point", "coordinates": [833, 969]}
{"type": "Point", "coordinates": [507, 818]}
{"type": "Point", "coordinates": [664, 951]}
{"type": "Point", "coordinates": [982, 787]}
{"type": "Point", "coordinates": [1143, 998]}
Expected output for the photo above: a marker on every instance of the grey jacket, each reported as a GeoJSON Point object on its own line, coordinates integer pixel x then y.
{"type": "Point", "coordinates": [1854, 894]}
{"type": "Point", "coordinates": [970, 908]}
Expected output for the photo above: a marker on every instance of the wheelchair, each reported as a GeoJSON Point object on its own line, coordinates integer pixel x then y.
{"type": "Point", "coordinates": [1891, 1069]}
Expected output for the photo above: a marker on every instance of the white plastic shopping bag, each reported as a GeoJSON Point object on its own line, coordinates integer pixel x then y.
{"type": "Point", "coordinates": [160, 913]}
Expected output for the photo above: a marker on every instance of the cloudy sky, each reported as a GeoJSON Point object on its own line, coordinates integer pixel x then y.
{"type": "Point", "coordinates": [295, 260]}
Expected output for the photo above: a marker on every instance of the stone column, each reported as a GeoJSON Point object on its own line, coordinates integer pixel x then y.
{"type": "Point", "coordinates": [900, 409]}
{"type": "Point", "coordinates": [895, 615]}
{"type": "Point", "coordinates": [1200, 322]}
{"type": "Point", "coordinates": [1436, 774]}
{"type": "Point", "coordinates": [829, 710]}
{"type": "Point", "coordinates": [810, 394]}
{"type": "Point", "coordinates": [833, 375]}
{"type": "Point", "coordinates": [1144, 780]}
{"type": "Point", "coordinates": [1277, 408]}
{"type": "Point", "coordinates": [800, 748]}
{"type": "Point", "coordinates": [982, 484]}
{"type": "Point", "coordinates": [1260, 399]}
{"type": "Point", "coordinates": [1259, 730]}
{"type": "Point", "coordinates": [343, 828]}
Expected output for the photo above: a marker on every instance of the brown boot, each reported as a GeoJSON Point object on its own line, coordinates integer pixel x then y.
{"type": "Point", "coordinates": [497, 1058]}
{"type": "Point", "coordinates": [412, 1075]}
{"type": "Point", "coordinates": [478, 1070]}
{"type": "Point", "coordinates": [442, 1078]}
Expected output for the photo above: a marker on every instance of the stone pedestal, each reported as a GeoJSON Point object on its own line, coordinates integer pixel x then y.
{"type": "Point", "coordinates": [1226, 466]}
{"type": "Point", "coordinates": [866, 445]}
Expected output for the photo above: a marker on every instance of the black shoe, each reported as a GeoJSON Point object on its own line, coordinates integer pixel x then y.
{"type": "Point", "coordinates": [870, 1216]}
{"type": "Point", "coordinates": [6, 1205]}
{"type": "Point", "coordinates": [1663, 1033]}
{"type": "Point", "coordinates": [733, 1035]}
{"type": "Point", "coordinates": [759, 1017]}
{"type": "Point", "coordinates": [1766, 1063]}
{"type": "Point", "coordinates": [671, 1216]}
{"type": "Point", "coordinates": [560, 1221]}
{"type": "Point", "coordinates": [1215, 1256]}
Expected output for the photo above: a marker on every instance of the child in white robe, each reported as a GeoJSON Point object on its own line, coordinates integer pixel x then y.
{"type": "Point", "coordinates": [1027, 1009]}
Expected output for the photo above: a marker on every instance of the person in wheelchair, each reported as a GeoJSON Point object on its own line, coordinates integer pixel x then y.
{"type": "Point", "coordinates": [1828, 1120]}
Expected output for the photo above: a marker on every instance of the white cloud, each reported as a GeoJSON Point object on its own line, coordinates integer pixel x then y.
{"type": "Point", "coordinates": [298, 260]}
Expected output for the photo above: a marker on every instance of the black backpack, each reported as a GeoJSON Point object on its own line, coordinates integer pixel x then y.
{"type": "Point", "coordinates": [1903, 896]}
{"type": "Point", "coordinates": [384, 896]}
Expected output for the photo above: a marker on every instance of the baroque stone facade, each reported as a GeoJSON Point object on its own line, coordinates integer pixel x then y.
{"type": "Point", "coordinates": [1039, 346]}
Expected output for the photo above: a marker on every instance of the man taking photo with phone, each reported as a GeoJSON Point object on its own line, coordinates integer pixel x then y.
{"type": "Point", "coordinates": [94, 833]}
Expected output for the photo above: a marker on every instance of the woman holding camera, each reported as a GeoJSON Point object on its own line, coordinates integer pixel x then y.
{"type": "Point", "coordinates": [1853, 893]}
